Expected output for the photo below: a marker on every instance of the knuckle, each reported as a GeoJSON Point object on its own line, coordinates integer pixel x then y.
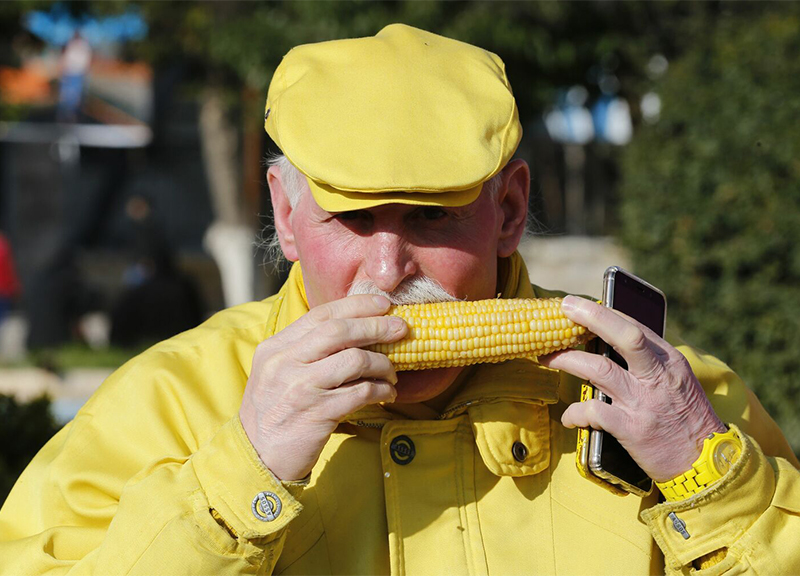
{"type": "Point", "coordinates": [362, 391]}
{"type": "Point", "coordinates": [262, 352]}
{"type": "Point", "coordinates": [637, 338]}
{"type": "Point", "coordinates": [335, 329]}
{"type": "Point", "coordinates": [575, 411]}
{"type": "Point", "coordinates": [358, 360]}
{"type": "Point", "coordinates": [606, 370]}
{"type": "Point", "coordinates": [293, 403]}
{"type": "Point", "coordinates": [320, 314]}
{"type": "Point", "coordinates": [264, 348]}
{"type": "Point", "coordinates": [385, 329]}
{"type": "Point", "coordinates": [380, 327]}
{"type": "Point", "coordinates": [647, 425]}
{"type": "Point", "coordinates": [593, 413]}
{"type": "Point", "coordinates": [654, 376]}
{"type": "Point", "coordinates": [678, 362]}
{"type": "Point", "coordinates": [263, 370]}
{"type": "Point", "coordinates": [594, 314]}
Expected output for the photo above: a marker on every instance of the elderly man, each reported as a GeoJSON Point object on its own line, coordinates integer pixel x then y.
{"type": "Point", "coordinates": [270, 440]}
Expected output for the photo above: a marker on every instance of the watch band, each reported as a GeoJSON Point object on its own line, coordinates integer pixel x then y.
{"type": "Point", "coordinates": [686, 485]}
{"type": "Point", "coordinates": [703, 472]}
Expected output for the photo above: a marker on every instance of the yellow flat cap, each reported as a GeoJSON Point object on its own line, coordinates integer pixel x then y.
{"type": "Point", "coordinates": [403, 116]}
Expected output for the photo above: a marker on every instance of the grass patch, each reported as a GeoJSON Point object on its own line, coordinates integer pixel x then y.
{"type": "Point", "coordinates": [75, 355]}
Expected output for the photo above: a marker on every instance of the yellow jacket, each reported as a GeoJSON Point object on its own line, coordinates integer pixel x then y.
{"type": "Point", "coordinates": [156, 476]}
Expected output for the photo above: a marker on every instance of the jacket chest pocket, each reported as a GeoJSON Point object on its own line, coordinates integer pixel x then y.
{"type": "Point", "coordinates": [513, 437]}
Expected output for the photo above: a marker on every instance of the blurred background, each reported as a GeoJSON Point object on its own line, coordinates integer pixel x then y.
{"type": "Point", "coordinates": [662, 137]}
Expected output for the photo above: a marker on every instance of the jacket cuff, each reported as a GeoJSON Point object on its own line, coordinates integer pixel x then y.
{"type": "Point", "coordinates": [717, 517]}
{"type": "Point", "coordinates": [232, 476]}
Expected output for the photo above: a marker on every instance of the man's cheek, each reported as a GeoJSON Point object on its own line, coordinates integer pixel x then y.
{"type": "Point", "coordinates": [462, 274]}
{"type": "Point", "coordinates": [326, 278]}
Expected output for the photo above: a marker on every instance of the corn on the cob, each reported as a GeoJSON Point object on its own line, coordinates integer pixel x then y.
{"type": "Point", "coordinates": [462, 333]}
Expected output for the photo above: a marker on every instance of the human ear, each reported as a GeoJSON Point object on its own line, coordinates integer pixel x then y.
{"type": "Point", "coordinates": [512, 199]}
{"type": "Point", "coordinates": [282, 213]}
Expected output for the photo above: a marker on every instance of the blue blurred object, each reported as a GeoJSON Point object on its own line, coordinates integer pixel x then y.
{"type": "Point", "coordinates": [58, 26]}
{"type": "Point", "coordinates": [569, 121]}
{"type": "Point", "coordinates": [612, 120]}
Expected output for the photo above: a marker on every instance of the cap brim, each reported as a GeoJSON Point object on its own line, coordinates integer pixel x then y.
{"type": "Point", "coordinates": [332, 199]}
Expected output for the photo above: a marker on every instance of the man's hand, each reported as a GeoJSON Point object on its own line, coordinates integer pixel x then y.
{"type": "Point", "coordinates": [659, 413]}
{"type": "Point", "coordinates": [309, 376]}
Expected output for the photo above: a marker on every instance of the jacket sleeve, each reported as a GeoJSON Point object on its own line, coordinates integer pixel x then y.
{"type": "Point", "coordinates": [186, 515]}
{"type": "Point", "coordinates": [749, 521]}
{"type": "Point", "coordinates": [155, 475]}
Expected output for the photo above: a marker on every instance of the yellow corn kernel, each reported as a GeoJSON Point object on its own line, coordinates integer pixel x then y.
{"type": "Point", "coordinates": [482, 331]}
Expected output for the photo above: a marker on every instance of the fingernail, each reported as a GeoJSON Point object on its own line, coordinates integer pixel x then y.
{"type": "Point", "coordinates": [569, 303]}
{"type": "Point", "coordinates": [381, 301]}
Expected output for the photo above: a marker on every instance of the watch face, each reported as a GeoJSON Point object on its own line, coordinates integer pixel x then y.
{"type": "Point", "coordinates": [725, 454]}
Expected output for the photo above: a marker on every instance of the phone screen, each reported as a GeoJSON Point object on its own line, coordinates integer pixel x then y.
{"type": "Point", "coordinates": [648, 306]}
{"type": "Point", "coordinates": [638, 301]}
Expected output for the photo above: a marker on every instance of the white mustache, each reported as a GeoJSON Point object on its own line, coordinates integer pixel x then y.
{"type": "Point", "coordinates": [416, 290]}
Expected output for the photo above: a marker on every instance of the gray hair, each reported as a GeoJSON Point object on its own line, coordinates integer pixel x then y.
{"type": "Point", "coordinates": [414, 290]}
{"type": "Point", "coordinates": [294, 186]}
{"type": "Point", "coordinates": [292, 179]}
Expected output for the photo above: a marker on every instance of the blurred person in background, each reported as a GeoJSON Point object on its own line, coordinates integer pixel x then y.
{"type": "Point", "coordinates": [158, 300]}
{"type": "Point", "coordinates": [9, 283]}
{"type": "Point", "coordinates": [268, 440]}
{"type": "Point", "coordinates": [75, 63]}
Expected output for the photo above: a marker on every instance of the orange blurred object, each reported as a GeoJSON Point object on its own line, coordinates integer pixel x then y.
{"type": "Point", "coordinates": [24, 86]}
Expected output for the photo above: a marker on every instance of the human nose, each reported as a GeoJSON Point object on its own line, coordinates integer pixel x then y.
{"type": "Point", "coordinates": [389, 261]}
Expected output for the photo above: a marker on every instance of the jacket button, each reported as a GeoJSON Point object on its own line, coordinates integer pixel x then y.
{"type": "Point", "coordinates": [266, 506]}
{"type": "Point", "coordinates": [519, 451]}
{"type": "Point", "coordinates": [402, 450]}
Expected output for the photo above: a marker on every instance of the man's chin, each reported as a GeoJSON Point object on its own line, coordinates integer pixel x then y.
{"type": "Point", "coordinates": [423, 385]}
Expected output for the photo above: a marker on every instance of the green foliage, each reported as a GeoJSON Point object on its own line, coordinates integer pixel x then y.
{"type": "Point", "coordinates": [24, 429]}
{"type": "Point", "coordinates": [75, 355]}
{"type": "Point", "coordinates": [547, 46]}
{"type": "Point", "coordinates": [711, 199]}
{"type": "Point", "coordinates": [78, 355]}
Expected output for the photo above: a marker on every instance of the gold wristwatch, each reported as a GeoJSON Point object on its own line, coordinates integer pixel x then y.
{"type": "Point", "coordinates": [720, 451]}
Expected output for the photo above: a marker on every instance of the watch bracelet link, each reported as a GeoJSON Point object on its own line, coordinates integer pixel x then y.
{"type": "Point", "coordinates": [700, 476]}
{"type": "Point", "coordinates": [687, 484]}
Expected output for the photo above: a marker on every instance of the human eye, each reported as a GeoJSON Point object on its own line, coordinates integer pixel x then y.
{"type": "Point", "coordinates": [432, 213]}
{"type": "Point", "coordinates": [353, 216]}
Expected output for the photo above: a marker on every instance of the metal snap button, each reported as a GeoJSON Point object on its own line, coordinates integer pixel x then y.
{"type": "Point", "coordinates": [519, 451]}
{"type": "Point", "coordinates": [679, 525]}
{"type": "Point", "coordinates": [266, 506]}
{"type": "Point", "coordinates": [402, 450]}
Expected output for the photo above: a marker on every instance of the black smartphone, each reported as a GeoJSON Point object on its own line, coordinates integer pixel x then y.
{"type": "Point", "coordinates": [644, 302]}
